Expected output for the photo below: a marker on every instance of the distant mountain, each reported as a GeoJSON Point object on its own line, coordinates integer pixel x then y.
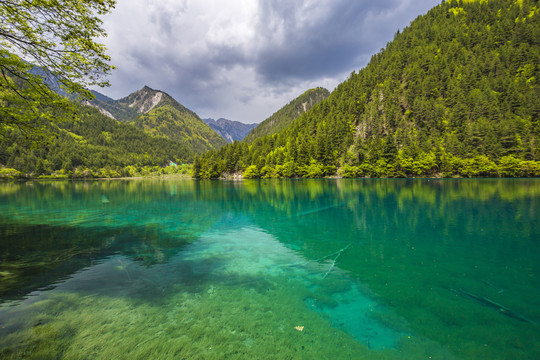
{"type": "Point", "coordinates": [285, 116]}
{"type": "Point", "coordinates": [230, 130]}
{"type": "Point", "coordinates": [51, 81]}
{"type": "Point", "coordinates": [159, 114]}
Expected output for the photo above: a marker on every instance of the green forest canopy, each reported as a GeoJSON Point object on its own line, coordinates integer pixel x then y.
{"type": "Point", "coordinates": [95, 146]}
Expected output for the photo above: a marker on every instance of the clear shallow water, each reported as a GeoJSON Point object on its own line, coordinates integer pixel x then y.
{"type": "Point", "coordinates": [364, 269]}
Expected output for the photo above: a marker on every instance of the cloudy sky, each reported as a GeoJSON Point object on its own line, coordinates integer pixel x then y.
{"type": "Point", "coordinates": [244, 59]}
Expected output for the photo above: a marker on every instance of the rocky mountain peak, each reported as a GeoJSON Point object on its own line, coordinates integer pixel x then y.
{"type": "Point", "coordinates": [144, 100]}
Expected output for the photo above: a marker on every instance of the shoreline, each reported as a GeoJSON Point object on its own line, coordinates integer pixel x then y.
{"type": "Point", "coordinates": [241, 179]}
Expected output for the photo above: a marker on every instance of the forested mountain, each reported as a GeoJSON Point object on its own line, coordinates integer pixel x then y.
{"type": "Point", "coordinates": [114, 138]}
{"type": "Point", "coordinates": [96, 145]}
{"type": "Point", "coordinates": [285, 116]}
{"type": "Point", "coordinates": [455, 94]}
{"type": "Point", "coordinates": [230, 130]}
{"type": "Point", "coordinates": [158, 113]}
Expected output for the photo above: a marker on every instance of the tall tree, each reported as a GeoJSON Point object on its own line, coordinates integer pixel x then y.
{"type": "Point", "coordinates": [46, 42]}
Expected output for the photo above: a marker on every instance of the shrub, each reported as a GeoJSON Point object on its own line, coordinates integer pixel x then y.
{"type": "Point", "coordinates": [8, 173]}
{"type": "Point", "coordinates": [251, 172]}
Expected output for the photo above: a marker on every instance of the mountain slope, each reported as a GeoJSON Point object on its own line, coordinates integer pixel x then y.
{"type": "Point", "coordinates": [112, 108]}
{"type": "Point", "coordinates": [94, 142]}
{"type": "Point", "coordinates": [283, 117]}
{"type": "Point", "coordinates": [230, 130]}
{"type": "Point", "coordinates": [159, 114]}
{"type": "Point", "coordinates": [455, 94]}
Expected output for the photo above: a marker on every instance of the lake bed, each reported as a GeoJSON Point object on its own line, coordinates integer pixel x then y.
{"type": "Point", "coordinates": [277, 269]}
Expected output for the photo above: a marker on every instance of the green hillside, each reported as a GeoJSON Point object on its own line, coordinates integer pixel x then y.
{"type": "Point", "coordinates": [159, 114]}
{"type": "Point", "coordinates": [96, 143]}
{"type": "Point", "coordinates": [455, 94]}
{"type": "Point", "coordinates": [285, 116]}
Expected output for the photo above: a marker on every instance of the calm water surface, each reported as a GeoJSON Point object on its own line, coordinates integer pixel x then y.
{"type": "Point", "coordinates": [306, 269]}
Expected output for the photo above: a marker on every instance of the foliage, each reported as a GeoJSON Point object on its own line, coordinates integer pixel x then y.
{"type": "Point", "coordinates": [58, 37]}
{"type": "Point", "coordinates": [8, 173]}
{"type": "Point", "coordinates": [251, 172]}
{"type": "Point", "coordinates": [454, 94]}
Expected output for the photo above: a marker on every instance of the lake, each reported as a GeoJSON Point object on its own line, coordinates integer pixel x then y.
{"type": "Point", "coordinates": [270, 269]}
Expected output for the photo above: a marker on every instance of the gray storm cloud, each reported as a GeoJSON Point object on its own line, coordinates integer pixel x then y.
{"type": "Point", "coordinates": [243, 60]}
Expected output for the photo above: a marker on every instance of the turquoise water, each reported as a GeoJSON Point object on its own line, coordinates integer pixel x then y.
{"type": "Point", "coordinates": [277, 269]}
